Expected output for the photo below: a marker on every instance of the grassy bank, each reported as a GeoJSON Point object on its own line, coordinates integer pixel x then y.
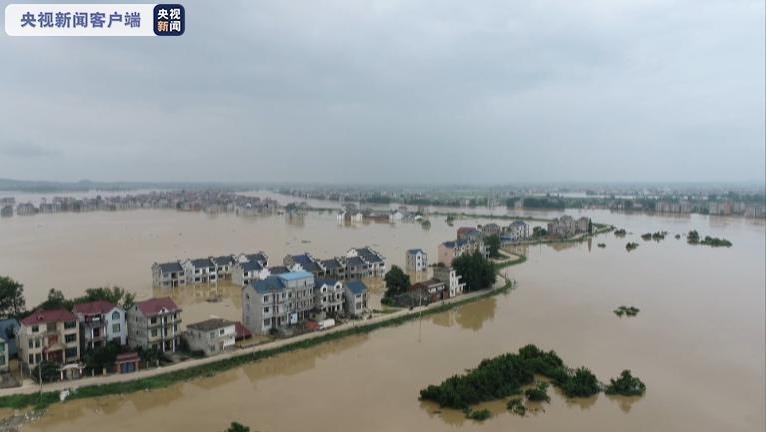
{"type": "Point", "coordinates": [41, 401]}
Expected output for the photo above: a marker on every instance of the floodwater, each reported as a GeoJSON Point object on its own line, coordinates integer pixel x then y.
{"type": "Point", "coordinates": [698, 342]}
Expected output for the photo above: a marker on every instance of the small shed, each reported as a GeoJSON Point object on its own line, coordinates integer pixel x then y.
{"type": "Point", "coordinates": [127, 362]}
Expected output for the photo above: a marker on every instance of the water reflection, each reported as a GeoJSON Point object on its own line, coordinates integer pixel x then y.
{"type": "Point", "coordinates": [471, 316]}
{"type": "Point", "coordinates": [624, 402]}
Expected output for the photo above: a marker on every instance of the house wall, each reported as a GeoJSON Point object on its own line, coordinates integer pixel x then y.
{"type": "Point", "coordinates": [211, 342]}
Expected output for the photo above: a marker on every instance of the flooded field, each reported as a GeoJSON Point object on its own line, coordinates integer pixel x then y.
{"type": "Point", "coordinates": [698, 342]}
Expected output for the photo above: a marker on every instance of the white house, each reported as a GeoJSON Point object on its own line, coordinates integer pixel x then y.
{"type": "Point", "coordinates": [212, 336]}
{"type": "Point", "coordinates": [416, 260]}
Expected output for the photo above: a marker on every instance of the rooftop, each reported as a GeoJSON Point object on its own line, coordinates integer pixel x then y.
{"type": "Point", "coordinates": [94, 307]}
{"type": "Point", "coordinates": [155, 305]}
{"type": "Point", "coordinates": [211, 324]}
{"type": "Point", "coordinates": [46, 316]}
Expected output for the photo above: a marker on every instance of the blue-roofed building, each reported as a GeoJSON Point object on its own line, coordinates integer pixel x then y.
{"type": "Point", "coordinates": [277, 301]}
{"type": "Point", "coordinates": [416, 260]}
{"type": "Point", "coordinates": [356, 297]}
{"type": "Point", "coordinates": [244, 273]}
{"type": "Point", "coordinates": [168, 275]}
{"type": "Point", "coordinates": [303, 262]}
{"type": "Point", "coordinates": [8, 330]}
{"type": "Point", "coordinates": [375, 263]}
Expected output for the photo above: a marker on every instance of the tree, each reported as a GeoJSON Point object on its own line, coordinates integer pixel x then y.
{"type": "Point", "coordinates": [114, 295]}
{"type": "Point", "coordinates": [46, 370]}
{"type": "Point", "coordinates": [237, 427]}
{"type": "Point", "coordinates": [493, 244]}
{"type": "Point", "coordinates": [476, 271]}
{"type": "Point", "coordinates": [397, 282]}
{"type": "Point", "coordinates": [538, 232]}
{"type": "Point", "coordinates": [11, 297]}
{"type": "Point", "coordinates": [56, 300]}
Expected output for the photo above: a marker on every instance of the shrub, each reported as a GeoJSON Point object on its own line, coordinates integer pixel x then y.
{"type": "Point", "coordinates": [625, 385]}
{"type": "Point", "coordinates": [538, 393]}
{"type": "Point", "coordinates": [479, 415]}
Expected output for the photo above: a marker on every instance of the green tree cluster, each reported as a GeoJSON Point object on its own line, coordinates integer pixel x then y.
{"type": "Point", "coordinates": [476, 271]}
{"type": "Point", "coordinates": [237, 427]}
{"type": "Point", "coordinates": [493, 244]}
{"type": "Point", "coordinates": [12, 303]}
{"type": "Point", "coordinates": [504, 375]}
{"type": "Point", "coordinates": [397, 282]}
{"type": "Point", "coordinates": [625, 385]}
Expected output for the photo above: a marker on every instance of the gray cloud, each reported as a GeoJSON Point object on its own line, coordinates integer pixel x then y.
{"type": "Point", "coordinates": [422, 91]}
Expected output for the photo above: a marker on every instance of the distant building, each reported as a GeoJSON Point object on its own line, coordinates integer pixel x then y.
{"type": "Point", "coordinates": [356, 297]}
{"type": "Point", "coordinates": [154, 323]}
{"type": "Point", "coordinates": [50, 335]}
{"type": "Point", "coordinates": [449, 276]}
{"type": "Point", "coordinates": [490, 229]}
{"type": "Point", "coordinates": [468, 233]}
{"type": "Point", "coordinates": [566, 226]}
{"type": "Point", "coordinates": [212, 336]}
{"type": "Point", "coordinates": [450, 250]}
{"type": "Point", "coordinates": [517, 231]}
{"type": "Point", "coordinates": [277, 301]}
{"type": "Point", "coordinates": [416, 260]}
{"type": "Point", "coordinates": [100, 322]}
{"type": "Point", "coordinates": [168, 275]}
{"type": "Point", "coordinates": [333, 268]}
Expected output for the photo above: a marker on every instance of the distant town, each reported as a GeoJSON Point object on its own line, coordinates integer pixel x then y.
{"type": "Point", "coordinates": [737, 200]}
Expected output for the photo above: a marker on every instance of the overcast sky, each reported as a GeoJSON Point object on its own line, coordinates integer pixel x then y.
{"type": "Point", "coordinates": [398, 91]}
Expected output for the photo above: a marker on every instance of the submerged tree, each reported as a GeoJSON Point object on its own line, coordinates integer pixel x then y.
{"type": "Point", "coordinates": [397, 282]}
{"type": "Point", "coordinates": [476, 271]}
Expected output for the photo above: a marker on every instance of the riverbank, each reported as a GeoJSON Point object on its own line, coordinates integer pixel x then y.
{"type": "Point", "coordinates": [148, 379]}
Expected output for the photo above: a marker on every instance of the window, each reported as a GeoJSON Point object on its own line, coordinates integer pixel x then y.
{"type": "Point", "coordinates": [116, 316]}
{"type": "Point", "coordinates": [71, 353]}
{"type": "Point", "coordinates": [265, 322]}
{"type": "Point", "coordinates": [153, 320]}
{"type": "Point", "coordinates": [265, 299]}
{"type": "Point", "coordinates": [265, 310]}
{"type": "Point", "coordinates": [116, 328]}
{"type": "Point", "coordinates": [70, 324]}
{"type": "Point", "coordinates": [31, 359]}
{"type": "Point", "coordinates": [70, 338]}
{"type": "Point", "coordinates": [35, 329]}
{"type": "Point", "coordinates": [220, 332]}
{"type": "Point", "coordinates": [154, 332]}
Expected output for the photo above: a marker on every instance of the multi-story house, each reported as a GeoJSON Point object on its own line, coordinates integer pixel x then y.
{"type": "Point", "coordinates": [50, 335]}
{"type": "Point", "coordinates": [449, 276]}
{"type": "Point", "coordinates": [517, 231]}
{"type": "Point", "coordinates": [355, 293]}
{"type": "Point", "coordinates": [223, 265]}
{"type": "Point", "coordinates": [416, 260]}
{"type": "Point", "coordinates": [432, 289]}
{"type": "Point", "coordinates": [168, 275]}
{"type": "Point", "coordinates": [212, 336]}
{"type": "Point", "coordinates": [154, 323]}
{"type": "Point", "coordinates": [4, 354]}
{"type": "Point", "coordinates": [328, 296]}
{"type": "Point", "coordinates": [376, 263]}
{"type": "Point", "coordinates": [303, 263]}
{"type": "Point", "coordinates": [468, 233]}
{"type": "Point", "coordinates": [199, 271]}
{"type": "Point", "coordinates": [100, 322]}
{"type": "Point", "coordinates": [333, 268]}
{"type": "Point", "coordinates": [450, 250]}
{"type": "Point", "coordinates": [355, 268]}
{"type": "Point", "coordinates": [244, 273]}
{"type": "Point", "coordinates": [490, 229]}
{"type": "Point", "coordinates": [277, 301]}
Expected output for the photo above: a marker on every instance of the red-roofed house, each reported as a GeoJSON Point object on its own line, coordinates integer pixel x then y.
{"type": "Point", "coordinates": [101, 322]}
{"type": "Point", "coordinates": [154, 323]}
{"type": "Point", "coordinates": [51, 335]}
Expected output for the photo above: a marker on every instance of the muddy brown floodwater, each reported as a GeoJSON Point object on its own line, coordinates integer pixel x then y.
{"type": "Point", "coordinates": [698, 342]}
